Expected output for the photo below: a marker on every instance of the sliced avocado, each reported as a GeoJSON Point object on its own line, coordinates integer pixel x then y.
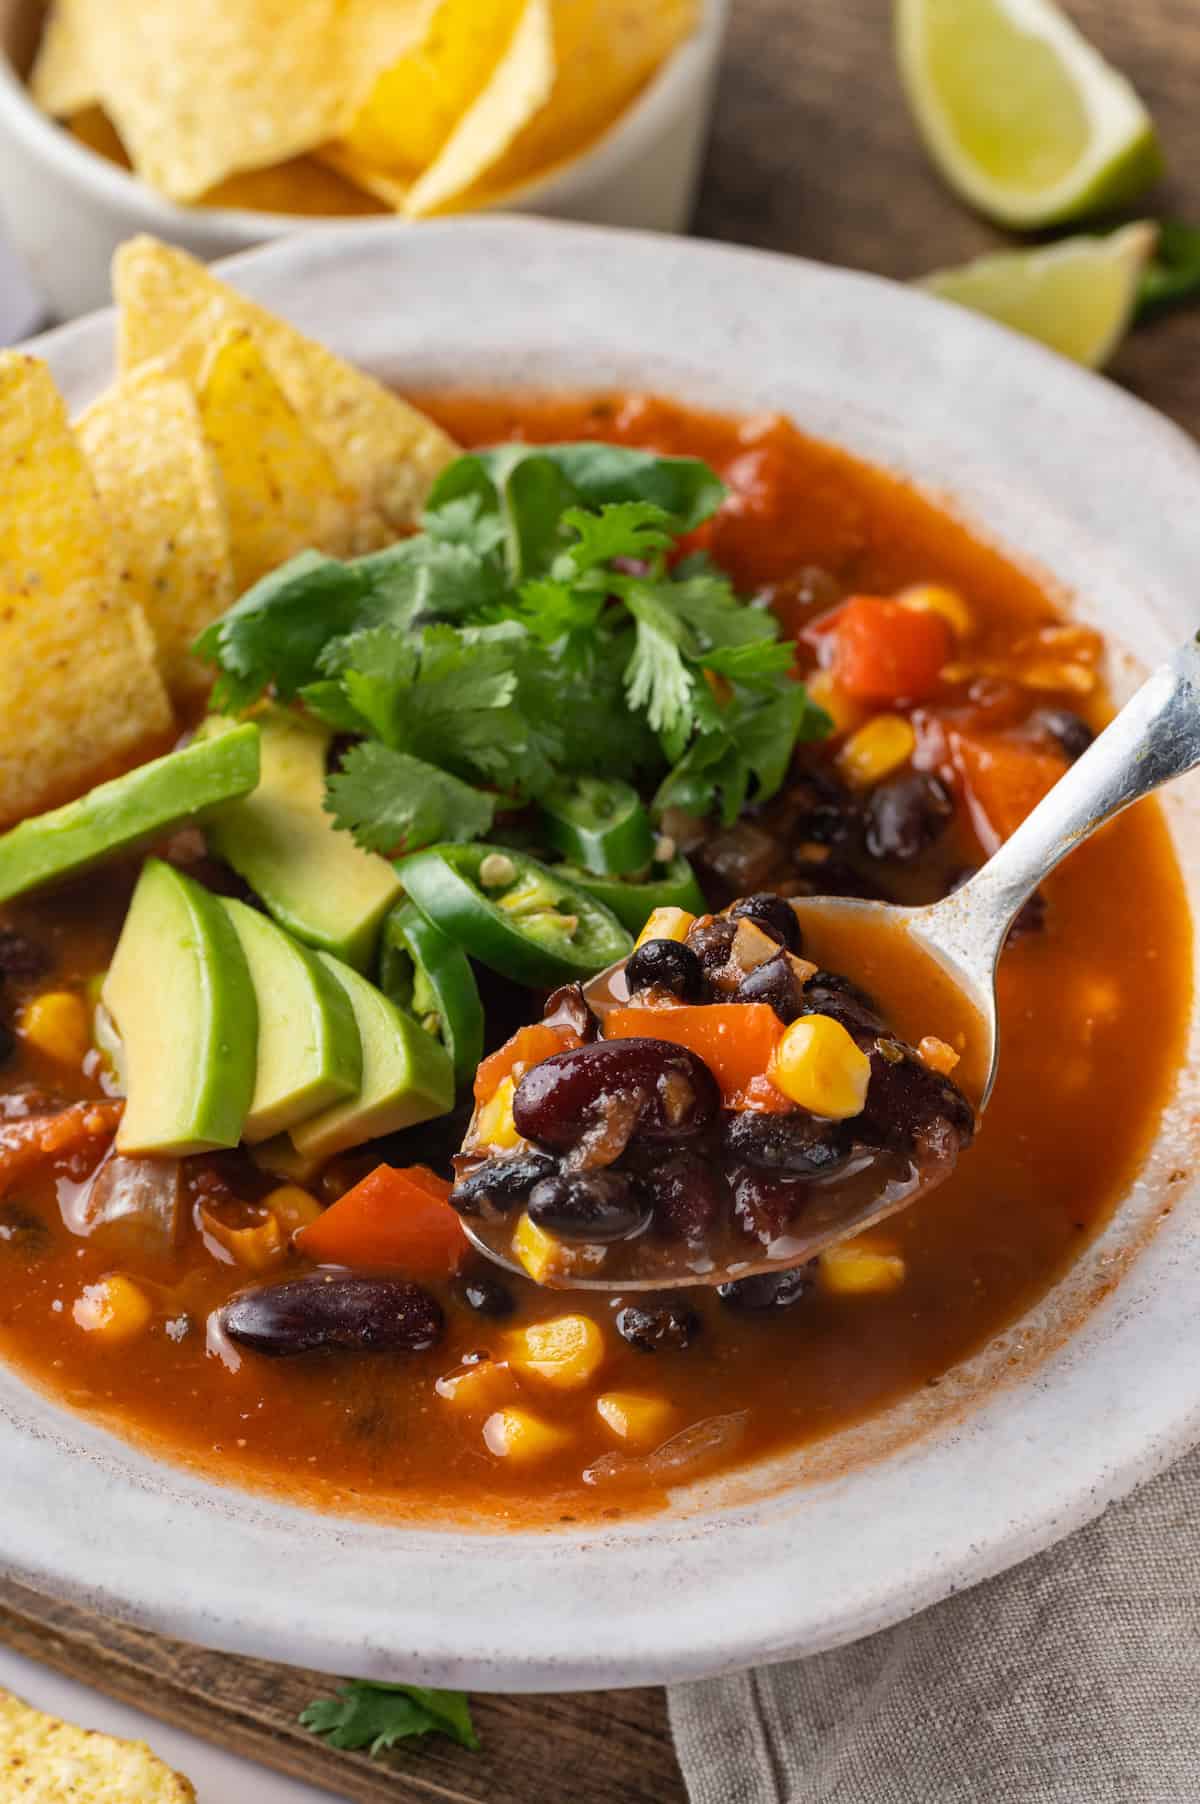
{"type": "Point", "coordinates": [180, 996]}
{"type": "Point", "coordinates": [310, 875]}
{"type": "Point", "coordinates": [122, 815]}
{"type": "Point", "coordinates": [309, 1055]}
{"type": "Point", "coordinates": [407, 1075]}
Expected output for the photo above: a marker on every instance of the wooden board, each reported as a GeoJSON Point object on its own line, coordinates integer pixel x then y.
{"type": "Point", "coordinates": [813, 153]}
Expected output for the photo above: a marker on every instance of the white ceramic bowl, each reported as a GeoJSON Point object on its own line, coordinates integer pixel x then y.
{"type": "Point", "coordinates": [1094, 1390]}
{"type": "Point", "coordinates": [67, 209]}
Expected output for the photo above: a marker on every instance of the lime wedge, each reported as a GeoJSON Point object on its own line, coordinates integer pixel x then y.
{"type": "Point", "coordinates": [1077, 296]}
{"type": "Point", "coordinates": [1024, 119]}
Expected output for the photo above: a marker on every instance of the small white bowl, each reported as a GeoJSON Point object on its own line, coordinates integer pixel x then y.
{"type": "Point", "coordinates": [67, 208]}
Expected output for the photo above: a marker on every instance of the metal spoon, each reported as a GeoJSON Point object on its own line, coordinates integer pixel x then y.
{"type": "Point", "coordinates": [1155, 738]}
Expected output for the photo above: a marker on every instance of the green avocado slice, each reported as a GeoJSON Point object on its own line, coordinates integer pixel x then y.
{"type": "Point", "coordinates": [180, 996]}
{"type": "Point", "coordinates": [407, 1075]}
{"type": "Point", "coordinates": [119, 816]}
{"type": "Point", "coordinates": [309, 1054]}
{"type": "Point", "coordinates": [311, 876]}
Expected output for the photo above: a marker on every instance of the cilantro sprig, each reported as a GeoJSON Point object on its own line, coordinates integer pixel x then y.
{"type": "Point", "coordinates": [375, 1716]}
{"type": "Point", "coordinates": [539, 626]}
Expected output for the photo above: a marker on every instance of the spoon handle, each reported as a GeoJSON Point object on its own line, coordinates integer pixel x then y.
{"type": "Point", "coordinates": [1154, 738]}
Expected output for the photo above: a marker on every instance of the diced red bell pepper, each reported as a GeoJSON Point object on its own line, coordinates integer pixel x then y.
{"type": "Point", "coordinates": [735, 1040]}
{"type": "Point", "coordinates": [391, 1218]}
{"type": "Point", "coordinates": [42, 1138]}
{"type": "Point", "coordinates": [528, 1046]}
{"type": "Point", "coordinates": [1002, 781]}
{"type": "Point", "coordinates": [885, 652]}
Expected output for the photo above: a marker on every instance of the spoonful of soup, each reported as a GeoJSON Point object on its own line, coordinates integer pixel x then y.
{"type": "Point", "coordinates": [750, 1088]}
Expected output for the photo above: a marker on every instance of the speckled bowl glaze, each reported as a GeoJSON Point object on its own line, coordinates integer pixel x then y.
{"type": "Point", "coordinates": [1092, 1392]}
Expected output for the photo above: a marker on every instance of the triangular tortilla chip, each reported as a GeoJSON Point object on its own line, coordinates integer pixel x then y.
{"type": "Point", "coordinates": [379, 444]}
{"type": "Point", "coordinates": [63, 79]}
{"type": "Point", "coordinates": [281, 488]}
{"type": "Point", "coordinates": [52, 1762]}
{"type": "Point", "coordinates": [80, 688]}
{"type": "Point", "coordinates": [160, 485]}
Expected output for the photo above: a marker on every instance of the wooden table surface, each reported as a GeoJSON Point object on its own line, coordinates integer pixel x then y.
{"type": "Point", "coordinates": [813, 153]}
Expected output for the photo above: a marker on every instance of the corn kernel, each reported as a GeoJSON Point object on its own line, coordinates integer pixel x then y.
{"type": "Point", "coordinates": [842, 709]}
{"type": "Point", "coordinates": [494, 1124]}
{"type": "Point", "coordinates": [816, 1064]}
{"type": "Point", "coordinates": [566, 1352]}
{"type": "Point", "coordinates": [877, 750]}
{"type": "Point", "coordinates": [854, 1271]}
{"type": "Point", "coordinates": [57, 1024]}
{"type": "Point", "coordinates": [115, 1309]}
{"type": "Point", "coordinates": [667, 924]}
{"type": "Point", "coordinates": [517, 1435]}
{"type": "Point", "coordinates": [638, 1421]}
{"type": "Point", "coordinates": [935, 598]}
{"type": "Point", "coordinates": [293, 1208]}
{"type": "Point", "coordinates": [483, 1386]}
{"type": "Point", "coordinates": [936, 1055]}
{"type": "Point", "coordinates": [546, 1258]}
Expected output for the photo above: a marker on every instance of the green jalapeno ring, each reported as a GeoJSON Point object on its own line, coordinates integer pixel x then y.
{"type": "Point", "coordinates": [598, 824]}
{"type": "Point", "coordinates": [673, 885]}
{"type": "Point", "coordinates": [429, 976]}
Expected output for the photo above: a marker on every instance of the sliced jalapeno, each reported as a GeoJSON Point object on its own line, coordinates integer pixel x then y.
{"type": "Point", "coordinates": [599, 825]}
{"type": "Point", "coordinates": [430, 977]}
{"type": "Point", "coordinates": [513, 914]}
{"type": "Point", "coordinates": [670, 885]}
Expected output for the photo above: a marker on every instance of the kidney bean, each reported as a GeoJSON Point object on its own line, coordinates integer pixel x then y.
{"type": "Point", "coordinates": [487, 1295]}
{"type": "Point", "coordinates": [357, 1314]}
{"type": "Point", "coordinates": [711, 941]}
{"type": "Point", "coordinates": [498, 1185]}
{"type": "Point", "coordinates": [765, 1203]}
{"type": "Point", "coordinates": [590, 1206]}
{"type": "Point", "coordinates": [666, 965]}
{"type": "Point", "coordinates": [772, 914]}
{"type": "Point", "coordinates": [1070, 733]}
{"type": "Point", "coordinates": [688, 1194]}
{"type": "Point", "coordinates": [568, 1007]}
{"type": "Point", "coordinates": [768, 1290]}
{"type": "Point", "coordinates": [796, 1143]}
{"type": "Point", "coordinates": [775, 983]}
{"type": "Point", "coordinates": [23, 1232]}
{"type": "Point", "coordinates": [905, 815]}
{"type": "Point", "coordinates": [559, 1099]}
{"type": "Point", "coordinates": [654, 1328]}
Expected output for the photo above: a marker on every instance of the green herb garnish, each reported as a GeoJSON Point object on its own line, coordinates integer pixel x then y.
{"type": "Point", "coordinates": [366, 1714]}
{"type": "Point", "coordinates": [1173, 273]}
{"type": "Point", "coordinates": [535, 630]}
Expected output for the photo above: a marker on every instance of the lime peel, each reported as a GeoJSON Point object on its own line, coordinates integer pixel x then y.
{"type": "Point", "coordinates": [1024, 118]}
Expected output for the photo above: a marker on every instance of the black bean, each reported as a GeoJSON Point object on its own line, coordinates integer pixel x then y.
{"type": "Point", "coordinates": [773, 914]}
{"type": "Point", "coordinates": [666, 965]}
{"type": "Point", "coordinates": [768, 1290]}
{"type": "Point", "coordinates": [766, 1203]}
{"type": "Point", "coordinates": [711, 941]}
{"type": "Point", "coordinates": [568, 1007]}
{"type": "Point", "coordinates": [22, 957]}
{"type": "Point", "coordinates": [594, 1207]}
{"type": "Point", "coordinates": [688, 1194]}
{"type": "Point", "coordinates": [357, 1314]}
{"type": "Point", "coordinates": [796, 1143]}
{"type": "Point", "coordinates": [774, 982]}
{"type": "Point", "coordinates": [559, 1099]}
{"type": "Point", "coordinates": [906, 815]}
{"type": "Point", "coordinates": [828, 993]}
{"type": "Point", "coordinates": [487, 1295]}
{"type": "Point", "coordinates": [1070, 733]}
{"type": "Point", "coordinates": [905, 1098]}
{"type": "Point", "coordinates": [658, 1327]}
{"type": "Point", "coordinates": [23, 1232]}
{"type": "Point", "coordinates": [817, 809]}
{"type": "Point", "coordinates": [1030, 918]}
{"type": "Point", "coordinates": [498, 1185]}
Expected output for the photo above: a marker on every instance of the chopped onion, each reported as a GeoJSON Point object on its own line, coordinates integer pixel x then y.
{"type": "Point", "coordinates": [690, 1447]}
{"type": "Point", "coordinates": [134, 1203]}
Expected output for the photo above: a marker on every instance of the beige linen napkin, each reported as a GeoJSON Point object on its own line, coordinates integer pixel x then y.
{"type": "Point", "coordinates": [1074, 1679]}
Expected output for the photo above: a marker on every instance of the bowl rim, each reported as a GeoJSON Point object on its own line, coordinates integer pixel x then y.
{"type": "Point", "coordinates": [840, 1555]}
{"type": "Point", "coordinates": [678, 83]}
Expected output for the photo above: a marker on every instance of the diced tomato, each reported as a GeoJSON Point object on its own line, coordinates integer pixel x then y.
{"type": "Point", "coordinates": [26, 1144]}
{"type": "Point", "coordinates": [528, 1046]}
{"type": "Point", "coordinates": [392, 1217]}
{"type": "Point", "coordinates": [735, 1040]}
{"type": "Point", "coordinates": [884, 652]}
{"type": "Point", "coordinates": [1002, 781]}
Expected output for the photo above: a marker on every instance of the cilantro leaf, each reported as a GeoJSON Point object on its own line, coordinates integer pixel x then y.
{"type": "Point", "coordinates": [392, 802]}
{"type": "Point", "coordinates": [742, 752]}
{"type": "Point", "coordinates": [623, 529]}
{"type": "Point", "coordinates": [656, 677]}
{"type": "Point", "coordinates": [276, 632]}
{"type": "Point", "coordinates": [368, 1714]}
{"type": "Point", "coordinates": [756, 664]}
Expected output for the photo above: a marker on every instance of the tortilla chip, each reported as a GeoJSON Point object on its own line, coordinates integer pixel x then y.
{"type": "Point", "coordinates": [416, 105]}
{"type": "Point", "coordinates": [160, 485]}
{"type": "Point", "coordinates": [202, 92]}
{"type": "Point", "coordinates": [304, 186]}
{"type": "Point", "coordinates": [391, 191]}
{"type": "Point", "coordinates": [281, 488]}
{"type": "Point", "coordinates": [604, 56]}
{"type": "Point", "coordinates": [52, 1762]}
{"type": "Point", "coordinates": [379, 445]}
{"type": "Point", "coordinates": [63, 80]}
{"type": "Point", "coordinates": [376, 34]}
{"type": "Point", "coordinates": [79, 683]}
{"type": "Point", "coordinates": [520, 87]}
